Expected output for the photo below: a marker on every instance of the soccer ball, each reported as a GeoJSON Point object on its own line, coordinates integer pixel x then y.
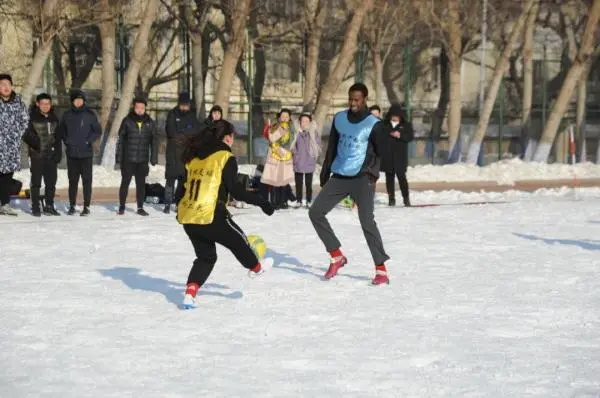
{"type": "Point", "coordinates": [347, 202]}
{"type": "Point", "coordinates": [258, 245]}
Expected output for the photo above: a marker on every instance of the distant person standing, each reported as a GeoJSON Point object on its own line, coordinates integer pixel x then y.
{"type": "Point", "coordinates": [79, 129]}
{"type": "Point", "coordinates": [216, 113]}
{"type": "Point", "coordinates": [375, 110]}
{"type": "Point", "coordinates": [394, 160]}
{"type": "Point", "coordinates": [44, 163]}
{"type": "Point", "coordinates": [306, 149]}
{"type": "Point", "coordinates": [137, 145]}
{"type": "Point", "coordinates": [181, 122]}
{"type": "Point", "coordinates": [13, 124]}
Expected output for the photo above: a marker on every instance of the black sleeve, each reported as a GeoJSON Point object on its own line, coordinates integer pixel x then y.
{"type": "Point", "coordinates": [119, 152]}
{"type": "Point", "coordinates": [408, 133]}
{"type": "Point", "coordinates": [334, 137]}
{"type": "Point", "coordinates": [171, 125]}
{"type": "Point", "coordinates": [154, 145]}
{"type": "Point", "coordinates": [180, 191]}
{"type": "Point", "coordinates": [235, 188]}
{"type": "Point", "coordinates": [378, 138]}
{"type": "Point", "coordinates": [96, 130]}
{"type": "Point", "coordinates": [31, 138]}
{"type": "Point", "coordinates": [61, 130]}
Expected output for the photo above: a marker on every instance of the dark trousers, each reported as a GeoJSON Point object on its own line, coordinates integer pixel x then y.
{"type": "Point", "coordinates": [307, 178]}
{"type": "Point", "coordinates": [80, 168]}
{"type": "Point", "coordinates": [170, 188]}
{"type": "Point", "coordinates": [45, 168]}
{"type": "Point", "coordinates": [204, 239]}
{"type": "Point", "coordinates": [139, 171]}
{"type": "Point", "coordinates": [361, 190]}
{"type": "Point", "coordinates": [5, 187]}
{"type": "Point", "coordinates": [390, 184]}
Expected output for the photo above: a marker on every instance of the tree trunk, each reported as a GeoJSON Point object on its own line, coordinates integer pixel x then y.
{"type": "Point", "coordinates": [437, 119]}
{"type": "Point", "coordinates": [318, 13]}
{"type": "Point", "coordinates": [378, 66]}
{"type": "Point", "coordinates": [107, 34]}
{"type": "Point", "coordinates": [343, 62]}
{"type": "Point", "coordinates": [49, 10]}
{"type": "Point", "coordinates": [455, 61]}
{"type": "Point", "coordinates": [580, 116]}
{"type": "Point", "coordinates": [198, 73]}
{"type": "Point", "coordinates": [490, 100]}
{"type": "Point", "coordinates": [588, 40]}
{"type": "Point", "coordinates": [130, 81]}
{"type": "Point", "coordinates": [234, 50]}
{"type": "Point", "coordinates": [528, 83]}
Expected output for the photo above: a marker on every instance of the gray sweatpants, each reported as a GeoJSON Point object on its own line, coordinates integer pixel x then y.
{"type": "Point", "coordinates": [361, 190]}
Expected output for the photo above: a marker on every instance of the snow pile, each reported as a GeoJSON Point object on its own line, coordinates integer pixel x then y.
{"type": "Point", "coordinates": [504, 172]}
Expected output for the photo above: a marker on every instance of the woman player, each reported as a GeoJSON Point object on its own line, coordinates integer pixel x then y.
{"type": "Point", "coordinates": [211, 174]}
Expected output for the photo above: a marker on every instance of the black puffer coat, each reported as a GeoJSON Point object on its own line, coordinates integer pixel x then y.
{"type": "Point", "coordinates": [395, 156]}
{"type": "Point", "coordinates": [45, 128]}
{"type": "Point", "coordinates": [138, 142]}
{"type": "Point", "coordinates": [79, 129]}
{"type": "Point", "coordinates": [178, 124]}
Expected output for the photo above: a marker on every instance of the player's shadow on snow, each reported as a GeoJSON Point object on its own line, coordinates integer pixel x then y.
{"type": "Point", "coordinates": [282, 261]}
{"type": "Point", "coordinates": [586, 244]}
{"type": "Point", "coordinates": [173, 292]}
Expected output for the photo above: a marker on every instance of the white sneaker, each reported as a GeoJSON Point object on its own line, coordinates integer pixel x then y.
{"type": "Point", "coordinates": [8, 211]}
{"type": "Point", "coordinates": [293, 205]}
{"type": "Point", "coordinates": [189, 302]}
{"type": "Point", "coordinates": [307, 205]}
{"type": "Point", "coordinates": [266, 264]}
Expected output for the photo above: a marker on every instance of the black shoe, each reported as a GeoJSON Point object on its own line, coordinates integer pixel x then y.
{"type": "Point", "coordinates": [406, 202]}
{"type": "Point", "coordinates": [71, 211]}
{"type": "Point", "coordinates": [51, 211]}
{"type": "Point", "coordinates": [121, 210]}
{"type": "Point", "coordinates": [36, 212]}
{"type": "Point", "coordinates": [142, 212]}
{"type": "Point", "coordinates": [85, 212]}
{"type": "Point", "coordinates": [167, 209]}
{"type": "Point", "coordinates": [392, 202]}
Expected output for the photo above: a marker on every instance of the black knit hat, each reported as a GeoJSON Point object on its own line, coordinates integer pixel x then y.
{"type": "Point", "coordinates": [184, 98]}
{"type": "Point", "coordinates": [77, 93]}
{"type": "Point", "coordinates": [43, 96]}
{"type": "Point", "coordinates": [6, 76]}
{"type": "Point", "coordinates": [140, 100]}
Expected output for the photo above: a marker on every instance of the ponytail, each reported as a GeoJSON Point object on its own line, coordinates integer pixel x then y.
{"type": "Point", "coordinates": [207, 137]}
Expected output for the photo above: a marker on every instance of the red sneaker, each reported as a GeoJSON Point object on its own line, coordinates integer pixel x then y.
{"type": "Point", "coordinates": [335, 264]}
{"type": "Point", "coordinates": [380, 278]}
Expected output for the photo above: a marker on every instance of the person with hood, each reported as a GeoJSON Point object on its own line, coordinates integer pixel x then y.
{"type": "Point", "coordinates": [211, 173]}
{"type": "Point", "coordinates": [14, 119]}
{"type": "Point", "coordinates": [394, 161]}
{"type": "Point", "coordinates": [181, 122]}
{"type": "Point", "coordinates": [216, 113]}
{"type": "Point", "coordinates": [306, 149]}
{"type": "Point", "coordinates": [79, 129]}
{"type": "Point", "coordinates": [356, 140]}
{"type": "Point", "coordinates": [137, 145]}
{"type": "Point", "coordinates": [44, 162]}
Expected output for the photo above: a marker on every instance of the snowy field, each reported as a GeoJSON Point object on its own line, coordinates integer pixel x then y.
{"type": "Point", "coordinates": [504, 172]}
{"type": "Point", "coordinates": [490, 300]}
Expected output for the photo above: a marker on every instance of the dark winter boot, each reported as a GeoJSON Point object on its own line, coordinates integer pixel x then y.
{"type": "Point", "coordinates": [35, 202]}
{"type": "Point", "coordinates": [274, 195]}
{"type": "Point", "coordinates": [406, 202]}
{"type": "Point", "coordinates": [121, 210]}
{"type": "Point", "coordinates": [85, 212]}
{"type": "Point", "coordinates": [142, 212]}
{"type": "Point", "coordinates": [167, 209]}
{"type": "Point", "coordinates": [71, 210]}
{"type": "Point", "coordinates": [391, 201]}
{"type": "Point", "coordinates": [51, 211]}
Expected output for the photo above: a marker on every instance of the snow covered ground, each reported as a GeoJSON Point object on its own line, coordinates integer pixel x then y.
{"type": "Point", "coordinates": [504, 172]}
{"type": "Point", "coordinates": [489, 300]}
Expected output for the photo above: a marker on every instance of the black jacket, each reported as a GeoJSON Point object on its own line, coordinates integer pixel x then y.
{"type": "Point", "coordinates": [44, 127]}
{"type": "Point", "coordinates": [178, 124]}
{"type": "Point", "coordinates": [138, 142]}
{"type": "Point", "coordinates": [78, 129]}
{"type": "Point", "coordinates": [395, 156]}
{"type": "Point", "coordinates": [374, 149]}
{"type": "Point", "coordinates": [230, 183]}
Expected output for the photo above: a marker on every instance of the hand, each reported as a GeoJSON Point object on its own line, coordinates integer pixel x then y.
{"type": "Point", "coordinates": [267, 209]}
{"type": "Point", "coordinates": [396, 134]}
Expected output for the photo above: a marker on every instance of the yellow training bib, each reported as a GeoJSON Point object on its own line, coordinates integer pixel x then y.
{"type": "Point", "coordinates": [202, 189]}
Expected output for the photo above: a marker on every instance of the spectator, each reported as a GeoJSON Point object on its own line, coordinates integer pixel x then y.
{"type": "Point", "coordinates": [306, 149]}
{"type": "Point", "coordinates": [216, 113]}
{"type": "Point", "coordinates": [375, 110]}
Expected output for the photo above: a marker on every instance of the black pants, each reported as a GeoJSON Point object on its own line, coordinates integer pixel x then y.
{"type": "Point", "coordinates": [390, 184]}
{"type": "Point", "coordinates": [170, 188]}
{"type": "Point", "coordinates": [139, 171]}
{"type": "Point", "coordinates": [45, 168]}
{"type": "Point", "coordinates": [5, 187]}
{"type": "Point", "coordinates": [362, 191]}
{"type": "Point", "coordinates": [204, 239]}
{"type": "Point", "coordinates": [77, 168]}
{"type": "Point", "coordinates": [307, 178]}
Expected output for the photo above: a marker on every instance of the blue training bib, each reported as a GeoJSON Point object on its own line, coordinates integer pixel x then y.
{"type": "Point", "coordinates": [353, 144]}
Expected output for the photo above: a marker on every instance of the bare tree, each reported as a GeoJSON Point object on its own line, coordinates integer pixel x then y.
{"type": "Point", "coordinates": [107, 34]}
{"type": "Point", "coordinates": [344, 60]}
{"type": "Point", "coordinates": [315, 14]}
{"type": "Point", "coordinates": [588, 40]}
{"type": "Point", "coordinates": [500, 70]}
{"type": "Point", "coordinates": [130, 81]}
{"type": "Point", "coordinates": [527, 94]}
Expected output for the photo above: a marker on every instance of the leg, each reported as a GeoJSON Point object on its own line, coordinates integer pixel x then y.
{"type": "Point", "coordinates": [403, 181]}
{"type": "Point", "coordinates": [363, 195]}
{"type": "Point", "coordinates": [308, 179]}
{"type": "Point", "coordinates": [50, 177]}
{"type": "Point", "coordinates": [140, 184]}
{"type": "Point", "coordinates": [169, 190]}
{"type": "Point", "coordinates": [332, 193]}
{"type": "Point", "coordinates": [233, 238]}
{"type": "Point", "coordinates": [86, 177]}
{"type": "Point", "coordinates": [36, 168]}
{"type": "Point", "coordinates": [390, 188]}
{"type": "Point", "coordinates": [206, 255]}
{"type": "Point", "coordinates": [126, 174]}
{"type": "Point", "coordinates": [73, 171]}
{"type": "Point", "coordinates": [5, 186]}
{"type": "Point", "coordinates": [299, 178]}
